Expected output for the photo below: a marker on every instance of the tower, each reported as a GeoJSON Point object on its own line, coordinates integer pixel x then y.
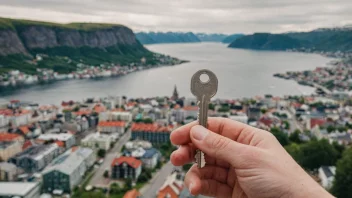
{"type": "Point", "coordinates": [175, 94]}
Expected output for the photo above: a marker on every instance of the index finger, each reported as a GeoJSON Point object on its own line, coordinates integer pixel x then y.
{"type": "Point", "coordinates": [223, 126]}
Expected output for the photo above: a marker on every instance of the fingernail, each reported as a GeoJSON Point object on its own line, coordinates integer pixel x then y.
{"type": "Point", "coordinates": [199, 132]}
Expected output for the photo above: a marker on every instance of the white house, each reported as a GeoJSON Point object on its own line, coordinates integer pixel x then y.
{"type": "Point", "coordinates": [112, 127]}
{"type": "Point", "coordinates": [20, 189]}
{"type": "Point", "coordinates": [94, 140]}
{"type": "Point", "coordinates": [67, 138]}
{"type": "Point", "coordinates": [327, 175]}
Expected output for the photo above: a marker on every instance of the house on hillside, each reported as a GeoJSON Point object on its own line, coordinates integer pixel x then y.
{"type": "Point", "coordinates": [172, 187]}
{"type": "Point", "coordinates": [327, 175]}
{"type": "Point", "coordinates": [126, 167]}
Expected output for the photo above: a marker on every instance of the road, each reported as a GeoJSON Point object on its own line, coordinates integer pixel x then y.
{"type": "Point", "coordinates": [150, 189]}
{"type": "Point", "coordinates": [98, 180]}
{"type": "Point", "coordinates": [327, 91]}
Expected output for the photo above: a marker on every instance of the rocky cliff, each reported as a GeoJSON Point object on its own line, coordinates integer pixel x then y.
{"type": "Point", "coordinates": [21, 37]}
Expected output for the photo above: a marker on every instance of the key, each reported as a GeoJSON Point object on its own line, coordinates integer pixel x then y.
{"type": "Point", "coordinates": [204, 91]}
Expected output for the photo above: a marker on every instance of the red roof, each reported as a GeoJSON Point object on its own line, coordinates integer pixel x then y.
{"type": "Point", "coordinates": [132, 194]}
{"type": "Point", "coordinates": [99, 108]}
{"type": "Point", "coordinates": [266, 121]}
{"type": "Point", "coordinates": [317, 122]}
{"type": "Point", "coordinates": [133, 162]}
{"type": "Point", "coordinates": [150, 127]}
{"type": "Point", "coordinates": [24, 129]}
{"type": "Point", "coordinates": [191, 108]}
{"type": "Point", "coordinates": [8, 137]}
{"type": "Point", "coordinates": [27, 144]}
{"type": "Point", "coordinates": [111, 124]}
{"type": "Point", "coordinates": [60, 143]}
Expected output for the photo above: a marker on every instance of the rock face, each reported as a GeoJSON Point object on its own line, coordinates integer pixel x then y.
{"type": "Point", "coordinates": [10, 43]}
{"type": "Point", "coordinates": [22, 38]}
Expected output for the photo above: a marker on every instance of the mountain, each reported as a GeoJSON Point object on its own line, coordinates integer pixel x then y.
{"type": "Point", "coordinates": [320, 40]}
{"type": "Point", "coordinates": [65, 45]}
{"type": "Point", "coordinates": [166, 37]}
{"type": "Point", "coordinates": [231, 38]}
{"type": "Point", "coordinates": [266, 41]}
{"type": "Point", "coordinates": [211, 37]}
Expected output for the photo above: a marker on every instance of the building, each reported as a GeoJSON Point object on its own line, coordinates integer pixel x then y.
{"type": "Point", "coordinates": [240, 117]}
{"type": "Point", "coordinates": [172, 187]}
{"type": "Point", "coordinates": [97, 141]}
{"type": "Point", "coordinates": [68, 170]}
{"type": "Point", "coordinates": [68, 139]}
{"type": "Point", "coordinates": [35, 158]}
{"type": "Point", "coordinates": [121, 116]}
{"type": "Point", "coordinates": [126, 167]}
{"type": "Point", "coordinates": [191, 111]}
{"type": "Point", "coordinates": [178, 114]}
{"type": "Point", "coordinates": [112, 127]}
{"type": "Point", "coordinates": [8, 171]}
{"type": "Point", "coordinates": [132, 194]}
{"type": "Point", "coordinates": [253, 113]}
{"type": "Point", "coordinates": [9, 149]}
{"type": "Point", "coordinates": [174, 94]}
{"type": "Point", "coordinates": [151, 132]}
{"type": "Point", "coordinates": [20, 189]}
{"type": "Point", "coordinates": [327, 175]}
{"type": "Point", "coordinates": [132, 145]}
{"type": "Point", "coordinates": [150, 158]}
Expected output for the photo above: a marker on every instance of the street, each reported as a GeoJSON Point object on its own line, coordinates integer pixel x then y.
{"type": "Point", "coordinates": [98, 178]}
{"type": "Point", "coordinates": [150, 189]}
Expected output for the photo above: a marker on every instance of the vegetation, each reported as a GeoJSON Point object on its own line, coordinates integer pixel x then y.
{"type": "Point", "coordinates": [342, 186]}
{"type": "Point", "coordinates": [314, 154]}
{"type": "Point", "coordinates": [106, 174]}
{"type": "Point", "coordinates": [186, 167]}
{"type": "Point", "coordinates": [101, 153]}
{"type": "Point", "coordinates": [294, 137]}
{"type": "Point", "coordinates": [280, 136]}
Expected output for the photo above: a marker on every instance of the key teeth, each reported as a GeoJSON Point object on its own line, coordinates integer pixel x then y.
{"type": "Point", "coordinates": [200, 159]}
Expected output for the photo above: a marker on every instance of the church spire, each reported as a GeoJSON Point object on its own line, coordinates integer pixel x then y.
{"type": "Point", "coordinates": [175, 94]}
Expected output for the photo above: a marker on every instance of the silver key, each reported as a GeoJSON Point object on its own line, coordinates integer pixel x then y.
{"type": "Point", "coordinates": [204, 91]}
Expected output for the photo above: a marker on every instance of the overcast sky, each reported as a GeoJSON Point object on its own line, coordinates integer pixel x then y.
{"type": "Point", "coordinates": [211, 16]}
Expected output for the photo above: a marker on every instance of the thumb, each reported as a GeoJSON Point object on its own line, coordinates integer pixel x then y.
{"type": "Point", "coordinates": [220, 147]}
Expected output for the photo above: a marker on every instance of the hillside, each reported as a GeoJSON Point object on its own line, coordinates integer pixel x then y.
{"type": "Point", "coordinates": [266, 41]}
{"type": "Point", "coordinates": [320, 40]}
{"type": "Point", "coordinates": [166, 37]}
{"type": "Point", "coordinates": [211, 37]}
{"type": "Point", "coordinates": [65, 45]}
{"type": "Point", "coordinates": [231, 38]}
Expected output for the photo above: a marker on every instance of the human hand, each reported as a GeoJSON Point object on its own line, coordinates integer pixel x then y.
{"type": "Point", "coordinates": [241, 161]}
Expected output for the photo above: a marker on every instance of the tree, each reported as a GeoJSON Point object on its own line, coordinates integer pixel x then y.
{"type": "Point", "coordinates": [263, 111]}
{"type": "Point", "coordinates": [294, 137]}
{"type": "Point", "coordinates": [143, 178]}
{"type": "Point", "coordinates": [295, 151]}
{"type": "Point", "coordinates": [287, 124]}
{"type": "Point", "coordinates": [342, 186]}
{"type": "Point", "coordinates": [158, 165]}
{"type": "Point", "coordinates": [211, 106]}
{"type": "Point", "coordinates": [115, 188]}
{"type": "Point", "coordinates": [148, 121]}
{"type": "Point", "coordinates": [339, 148]}
{"type": "Point", "coordinates": [106, 174]}
{"type": "Point", "coordinates": [330, 128]}
{"type": "Point", "coordinates": [75, 109]}
{"type": "Point", "coordinates": [317, 153]}
{"type": "Point", "coordinates": [186, 167]}
{"type": "Point", "coordinates": [280, 136]}
{"type": "Point", "coordinates": [101, 153]}
{"type": "Point", "coordinates": [128, 184]}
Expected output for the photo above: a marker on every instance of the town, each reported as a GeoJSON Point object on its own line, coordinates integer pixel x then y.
{"type": "Point", "coordinates": [15, 78]}
{"type": "Point", "coordinates": [119, 147]}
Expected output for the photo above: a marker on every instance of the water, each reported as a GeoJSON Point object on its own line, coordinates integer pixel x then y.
{"type": "Point", "coordinates": [241, 73]}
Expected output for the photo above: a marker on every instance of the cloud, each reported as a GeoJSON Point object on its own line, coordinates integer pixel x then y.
{"type": "Point", "coordinates": [221, 16]}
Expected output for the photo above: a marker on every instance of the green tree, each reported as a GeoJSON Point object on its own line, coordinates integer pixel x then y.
{"type": "Point", "coordinates": [342, 186]}
{"type": "Point", "coordinates": [158, 165]}
{"type": "Point", "coordinates": [211, 106]}
{"type": "Point", "coordinates": [75, 109]}
{"type": "Point", "coordinates": [330, 128]}
{"type": "Point", "coordinates": [339, 148]}
{"type": "Point", "coordinates": [115, 188]}
{"type": "Point", "coordinates": [143, 178]}
{"type": "Point", "coordinates": [317, 153]}
{"type": "Point", "coordinates": [295, 151]}
{"type": "Point", "coordinates": [280, 136]}
{"type": "Point", "coordinates": [294, 137]}
{"type": "Point", "coordinates": [106, 174]}
{"type": "Point", "coordinates": [128, 184]}
{"type": "Point", "coordinates": [101, 153]}
{"type": "Point", "coordinates": [287, 124]}
{"type": "Point", "coordinates": [263, 110]}
{"type": "Point", "coordinates": [148, 120]}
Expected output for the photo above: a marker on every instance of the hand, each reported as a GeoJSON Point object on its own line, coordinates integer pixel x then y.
{"type": "Point", "coordinates": [241, 161]}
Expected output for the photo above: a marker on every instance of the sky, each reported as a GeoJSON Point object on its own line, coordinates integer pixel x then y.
{"type": "Point", "coordinates": [209, 16]}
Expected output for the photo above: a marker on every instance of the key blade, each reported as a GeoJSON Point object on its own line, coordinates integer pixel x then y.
{"type": "Point", "coordinates": [200, 159]}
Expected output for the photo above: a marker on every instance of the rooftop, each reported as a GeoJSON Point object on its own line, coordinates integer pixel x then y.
{"type": "Point", "coordinates": [37, 151]}
{"type": "Point", "coordinates": [7, 166]}
{"type": "Point", "coordinates": [150, 127]}
{"type": "Point", "coordinates": [8, 136]}
{"type": "Point", "coordinates": [53, 136]}
{"type": "Point", "coordinates": [133, 162]}
{"type": "Point", "coordinates": [12, 188]}
{"type": "Point", "coordinates": [132, 194]}
{"type": "Point", "coordinates": [111, 124]}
